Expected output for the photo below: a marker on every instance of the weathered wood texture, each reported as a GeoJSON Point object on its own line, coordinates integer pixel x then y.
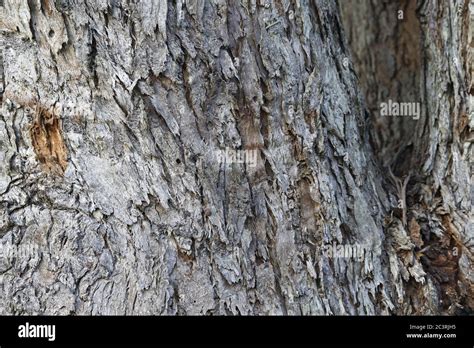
{"type": "Point", "coordinates": [424, 54]}
{"type": "Point", "coordinates": [113, 201]}
{"type": "Point", "coordinates": [386, 47]}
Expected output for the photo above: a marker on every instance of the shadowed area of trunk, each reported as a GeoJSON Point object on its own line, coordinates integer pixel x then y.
{"type": "Point", "coordinates": [424, 55]}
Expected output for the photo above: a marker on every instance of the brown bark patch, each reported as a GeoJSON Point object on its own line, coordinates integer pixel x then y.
{"type": "Point", "coordinates": [48, 142]}
{"type": "Point", "coordinates": [414, 229]}
{"type": "Point", "coordinates": [441, 260]}
{"type": "Point", "coordinates": [46, 7]}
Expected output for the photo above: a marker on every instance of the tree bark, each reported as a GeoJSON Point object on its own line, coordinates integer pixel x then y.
{"type": "Point", "coordinates": [115, 198]}
{"type": "Point", "coordinates": [425, 56]}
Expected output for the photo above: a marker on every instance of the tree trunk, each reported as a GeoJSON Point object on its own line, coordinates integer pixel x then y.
{"type": "Point", "coordinates": [121, 186]}
{"type": "Point", "coordinates": [424, 53]}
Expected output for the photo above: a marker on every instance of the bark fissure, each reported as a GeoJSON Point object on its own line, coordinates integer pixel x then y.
{"type": "Point", "coordinates": [427, 39]}
{"type": "Point", "coordinates": [139, 102]}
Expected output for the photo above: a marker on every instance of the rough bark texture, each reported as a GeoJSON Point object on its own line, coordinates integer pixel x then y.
{"type": "Point", "coordinates": [425, 57]}
{"type": "Point", "coordinates": [386, 47]}
{"type": "Point", "coordinates": [112, 113]}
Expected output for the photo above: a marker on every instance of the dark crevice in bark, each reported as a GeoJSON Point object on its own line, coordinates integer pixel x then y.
{"type": "Point", "coordinates": [393, 52]}
{"type": "Point", "coordinates": [92, 56]}
{"type": "Point", "coordinates": [386, 46]}
{"type": "Point", "coordinates": [32, 23]}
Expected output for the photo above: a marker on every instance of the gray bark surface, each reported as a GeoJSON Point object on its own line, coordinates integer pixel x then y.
{"type": "Point", "coordinates": [112, 199]}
